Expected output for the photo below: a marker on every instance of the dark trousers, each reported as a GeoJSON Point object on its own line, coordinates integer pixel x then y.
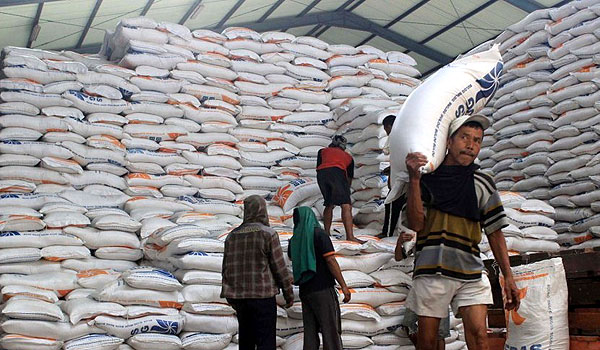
{"type": "Point", "coordinates": [321, 313]}
{"type": "Point", "coordinates": [257, 319]}
{"type": "Point", "coordinates": [392, 214]}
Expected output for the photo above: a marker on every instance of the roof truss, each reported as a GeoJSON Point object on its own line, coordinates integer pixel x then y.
{"type": "Point", "coordinates": [86, 29]}
{"type": "Point", "coordinates": [525, 5]}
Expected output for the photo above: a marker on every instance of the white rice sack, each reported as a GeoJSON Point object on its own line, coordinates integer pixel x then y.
{"type": "Point", "coordinates": [92, 104]}
{"type": "Point", "coordinates": [185, 245]}
{"type": "Point", "coordinates": [151, 341]}
{"type": "Point", "coordinates": [86, 308]}
{"type": "Point", "coordinates": [119, 292]}
{"type": "Point", "coordinates": [205, 341]}
{"type": "Point", "coordinates": [151, 278]}
{"type": "Point", "coordinates": [211, 161]}
{"type": "Point", "coordinates": [42, 77]}
{"type": "Point", "coordinates": [371, 327]}
{"type": "Point", "coordinates": [204, 277]}
{"type": "Point", "coordinates": [164, 60]}
{"type": "Point", "coordinates": [93, 342]}
{"type": "Point", "coordinates": [27, 268]}
{"type": "Point", "coordinates": [357, 279]}
{"type": "Point", "coordinates": [35, 149]}
{"type": "Point", "coordinates": [20, 223]}
{"type": "Point", "coordinates": [483, 69]}
{"type": "Point", "coordinates": [165, 235]}
{"type": "Point", "coordinates": [42, 329]}
{"type": "Point", "coordinates": [32, 309]}
{"type": "Point", "coordinates": [306, 96]}
{"type": "Point", "coordinates": [94, 263]}
{"type": "Point", "coordinates": [29, 292]}
{"type": "Point", "coordinates": [163, 109]}
{"type": "Point", "coordinates": [60, 253]}
{"type": "Point", "coordinates": [61, 282]}
{"type": "Point", "coordinates": [40, 100]}
{"type": "Point", "coordinates": [203, 92]}
{"type": "Point", "coordinates": [209, 308]}
{"type": "Point", "coordinates": [19, 83]}
{"type": "Point", "coordinates": [366, 263]}
{"type": "Point", "coordinates": [18, 342]}
{"type": "Point", "coordinates": [30, 174]}
{"type": "Point", "coordinates": [87, 129]}
{"type": "Point", "coordinates": [96, 278]}
{"type": "Point", "coordinates": [137, 155]}
{"type": "Point", "coordinates": [38, 123]}
{"type": "Point", "coordinates": [156, 133]}
{"type": "Point", "coordinates": [199, 260]}
{"type": "Point", "coordinates": [18, 108]}
{"type": "Point", "coordinates": [202, 294]}
{"type": "Point", "coordinates": [125, 328]}
{"type": "Point", "coordinates": [209, 323]}
{"type": "Point", "coordinates": [289, 195]}
{"type": "Point", "coordinates": [355, 81]}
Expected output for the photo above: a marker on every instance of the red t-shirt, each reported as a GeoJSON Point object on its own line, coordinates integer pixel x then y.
{"type": "Point", "coordinates": [331, 157]}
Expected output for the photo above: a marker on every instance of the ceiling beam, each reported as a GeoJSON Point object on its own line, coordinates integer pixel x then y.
{"type": "Point", "coordinates": [343, 7]}
{"type": "Point", "coordinates": [4, 3]}
{"type": "Point", "coordinates": [35, 25]}
{"type": "Point", "coordinates": [230, 13]}
{"type": "Point", "coordinates": [361, 23]}
{"type": "Point", "coordinates": [290, 21]}
{"type": "Point", "coordinates": [270, 11]}
{"type": "Point", "coordinates": [190, 12]}
{"type": "Point", "coordinates": [525, 5]}
{"type": "Point", "coordinates": [304, 11]}
{"type": "Point", "coordinates": [147, 7]}
{"type": "Point", "coordinates": [455, 22]}
{"type": "Point", "coordinates": [396, 20]}
{"type": "Point", "coordinates": [86, 29]}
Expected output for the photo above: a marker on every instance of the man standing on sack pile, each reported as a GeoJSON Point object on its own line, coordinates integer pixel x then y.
{"type": "Point", "coordinates": [315, 267]}
{"type": "Point", "coordinates": [254, 270]}
{"type": "Point", "coordinates": [448, 209]}
{"type": "Point", "coordinates": [393, 209]}
{"type": "Point", "coordinates": [335, 170]}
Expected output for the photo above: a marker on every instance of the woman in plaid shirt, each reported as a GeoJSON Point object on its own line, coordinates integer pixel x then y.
{"type": "Point", "coordinates": [254, 270]}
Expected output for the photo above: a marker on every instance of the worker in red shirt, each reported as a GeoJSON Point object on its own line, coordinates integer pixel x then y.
{"type": "Point", "coordinates": [335, 170]}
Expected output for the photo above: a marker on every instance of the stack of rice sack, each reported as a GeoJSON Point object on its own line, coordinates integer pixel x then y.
{"type": "Point", "coordinates": [379, 285]}
{"type": "Point", "coordinates": [370, 92]}
{"type": "Point", "coordinates": [543, 142]}
{"type": "Point", "coordinates": [99, 160]}
{"type": "Point", "coordinates": [530, 224]}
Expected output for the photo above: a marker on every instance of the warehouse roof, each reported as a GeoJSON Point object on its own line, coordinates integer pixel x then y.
{"type": "Point", "coordinates": [433, 32]}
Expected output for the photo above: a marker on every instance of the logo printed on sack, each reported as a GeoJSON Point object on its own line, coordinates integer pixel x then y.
{"type": "Point", "coordinates": [489, 83]}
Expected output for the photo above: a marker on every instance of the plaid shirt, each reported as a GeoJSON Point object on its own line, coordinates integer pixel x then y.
{"type": "Point", "coordinates": [253, 264]}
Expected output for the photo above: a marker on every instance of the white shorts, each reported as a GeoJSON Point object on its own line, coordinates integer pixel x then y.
{"type": "Point", "coordinates": [431, 295]}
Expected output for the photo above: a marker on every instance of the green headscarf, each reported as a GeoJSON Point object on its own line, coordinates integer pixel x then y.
{"type": "Point", "coordinates": [304, 263]}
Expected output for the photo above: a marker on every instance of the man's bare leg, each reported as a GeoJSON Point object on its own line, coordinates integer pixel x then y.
{"type": "Point", "coordinates": [327, 218]}
{"type": "Point", "coordinates": [347, 220]}
{"type": "Point", "coordinates": [474, 319]}
{"type": "Point", "coordinates": [427, 335]}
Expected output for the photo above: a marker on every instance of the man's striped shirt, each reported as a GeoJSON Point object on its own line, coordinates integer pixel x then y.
{"type": "Point", "coordinates": [448, 244]}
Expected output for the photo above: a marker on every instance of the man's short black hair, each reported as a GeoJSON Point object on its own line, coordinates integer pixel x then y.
{"type": "Point", "coordinates": [389, 120]}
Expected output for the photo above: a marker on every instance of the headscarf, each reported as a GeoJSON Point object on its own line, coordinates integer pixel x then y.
{"type": "Point", "coordinates": [255, 210]}
{"type": "Point", "coordinates": [304, 263]}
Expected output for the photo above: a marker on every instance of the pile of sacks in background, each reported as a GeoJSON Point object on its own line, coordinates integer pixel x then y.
{"type": "Point", "coordinates": [544, 139]}
{"type": "Point", "coordinates": [106, 167]}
